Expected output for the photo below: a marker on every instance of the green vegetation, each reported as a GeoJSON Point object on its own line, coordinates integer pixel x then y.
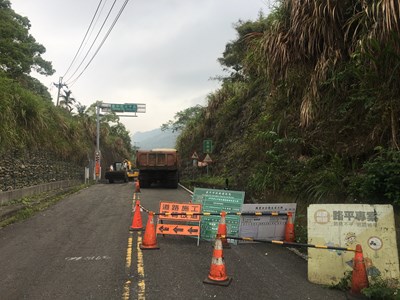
{"type": "Point", "coordinates": [310, 106]}
{"type": "Point", "coordinates": [29, 119]}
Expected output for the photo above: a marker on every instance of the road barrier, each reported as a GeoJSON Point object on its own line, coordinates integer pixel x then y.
{"type": "Point", "coordinates": [217, 274]}
{"type": "Point", "coordinates": [226, 213]}
{"type": "Point", "coordinates": [291, 244]}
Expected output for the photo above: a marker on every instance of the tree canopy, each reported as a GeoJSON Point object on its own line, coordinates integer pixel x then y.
{"type": "Point", "coordinates": [19, 51]}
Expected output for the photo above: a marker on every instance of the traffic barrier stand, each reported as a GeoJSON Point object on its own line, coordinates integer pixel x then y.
{"type": "Point", "coordinates": [149, 239]}
{"type": "Point", "coordinates": [217, 274]}
{"type": "Point", "coordinates": [359, 278]}
{"type": "Point", "coordinates": [289, 229]}
{"type": "Point", "coordinates": [137, 186]}
{"type": "Point", "coordinates": [137, 224]}
{"type": "Point", "coordinates": [222, 231]}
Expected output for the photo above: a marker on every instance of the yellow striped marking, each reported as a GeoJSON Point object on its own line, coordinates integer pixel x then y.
{"type": "Point", "coordinates": [321, 246]}
{"type": "Point", "coordinates": [258, 214]}
{"type": "Point", "coordinates": [140, 268]}
{"type": "Point", "coordinates": [274, 214]}
{"type": "Point", "coordinates": [206, 213]}
{"type": "Point", "coordinates": [127, 284]}
{"type": "Point", "coordinates": [189, 214]}
{"type": "Point", "coordinates": [247, 239]}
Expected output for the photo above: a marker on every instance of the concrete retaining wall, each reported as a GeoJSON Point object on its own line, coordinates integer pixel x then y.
{"type": "Point", "coordinates": [36, 189]}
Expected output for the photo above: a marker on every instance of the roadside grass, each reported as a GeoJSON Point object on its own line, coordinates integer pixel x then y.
{"type": "Point", "coordinates": [26, 207]}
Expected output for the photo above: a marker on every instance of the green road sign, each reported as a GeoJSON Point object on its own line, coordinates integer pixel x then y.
{"type": "Point", "coordinates": [127, 107]}
{"type": "Point", "coordinates": [207, 146]}
{"type": "Point", "coordinates": [215, 201]}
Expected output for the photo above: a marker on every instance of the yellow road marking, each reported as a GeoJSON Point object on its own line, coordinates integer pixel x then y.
{"type": "Point", "coordinates": [127, 285]}
{"type": "Point", "coordinates": [140, 269]}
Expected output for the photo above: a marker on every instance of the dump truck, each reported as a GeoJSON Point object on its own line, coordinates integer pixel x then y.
{"type": "Point", "coordinates": [158, 166]}
{"type": "Point", "coordinates": [117, 171]}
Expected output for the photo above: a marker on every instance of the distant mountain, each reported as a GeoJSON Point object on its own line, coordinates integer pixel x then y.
{"type": "Point", "coordinates": [154, 139]}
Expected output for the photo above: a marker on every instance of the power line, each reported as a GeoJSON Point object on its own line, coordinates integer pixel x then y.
{"type": "Point", "coordinates": [95, 39]}
{"type": "Point", "coordinates": [103, 41]}
{"type": "Point", "coordinates": [84, 38]}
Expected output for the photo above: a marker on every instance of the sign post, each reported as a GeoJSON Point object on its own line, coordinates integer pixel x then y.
{"type": "Point", "coordinates": [112, 107]}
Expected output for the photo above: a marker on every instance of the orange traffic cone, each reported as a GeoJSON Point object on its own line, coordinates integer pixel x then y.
{"type": "Point", "coordinates": [137, 186]}
{"type": "Point", "coordinates": [359, 278]}
{"type": "Point", "coordinates": [289, 229]}
{"type": "Point", "coordinates": [222, 231]}
{"type": "Point", "coordinates": [137, 218]}
{"type": "Point", "coordinates": [217, 275]}
{"type": "Point", "coordinates": [134, 198]}
{"type": "Point", "coordinates": [149, 239]}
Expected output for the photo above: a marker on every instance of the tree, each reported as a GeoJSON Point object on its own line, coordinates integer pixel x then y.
{"type": "Point", "coordinates": [19, 51]}
{"type": "Point", "coordinates": [67, 101]}
{"type": "Point", "coordinates": [182, 118]}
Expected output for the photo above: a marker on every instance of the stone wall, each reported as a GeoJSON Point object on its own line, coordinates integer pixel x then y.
{"type": "Point", "coordinates": [20, 169]}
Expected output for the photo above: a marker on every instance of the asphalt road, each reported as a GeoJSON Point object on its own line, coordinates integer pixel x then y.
{"type": "Point", "coordinates": [81, 248]}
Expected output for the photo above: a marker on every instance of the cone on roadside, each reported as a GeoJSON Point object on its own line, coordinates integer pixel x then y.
{"type": "Point", "coordinates": [134, 198]}
{"type": "Point", "coordinates": [222, 230]}
{"type": "Point", "coordinates": [137, 224]}
{"type": "Point", "coordinates": [289, 229]}
{"type": "Point", "coordinates": [217, 274]}
{"type": "Point", "coordinates": [137, 186]}
{"type": "Point", "coordinates": [359, 278]}
{"type": "Point", "coordinates": [150, 236]}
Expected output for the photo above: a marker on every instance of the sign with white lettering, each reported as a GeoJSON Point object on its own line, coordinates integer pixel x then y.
{"type": "Point", "coordinates": [346, 225]}
{"type": "Point", "coordinates": [265, 227]}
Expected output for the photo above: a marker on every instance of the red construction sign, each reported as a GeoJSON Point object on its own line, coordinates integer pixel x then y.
{"type": "Point", "coordinates": [172, 207]}
{"type": "Point", "coordinates": [184, 214]}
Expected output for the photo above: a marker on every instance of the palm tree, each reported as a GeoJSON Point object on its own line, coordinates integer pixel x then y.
{"type": "Point", "coordinates": [67, 101]}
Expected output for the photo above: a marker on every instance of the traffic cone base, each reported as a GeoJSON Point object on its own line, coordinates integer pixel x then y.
{"type": "Point", "coordinates": [221, 283]}
{"type": "Point", "coordinates": [217, 274]}
{"type": "Point", "coordinates": [359, 278]}
{"type": "Point", "coordinates": [149, 239]}
{"type": "Point", "coordinates": [137, 219]}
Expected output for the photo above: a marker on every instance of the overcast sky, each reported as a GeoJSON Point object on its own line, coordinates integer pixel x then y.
{"type": "Point", "coordinates": [160, 52]}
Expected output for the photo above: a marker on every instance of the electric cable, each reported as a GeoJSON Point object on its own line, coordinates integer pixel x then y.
{"type": "Point", "coordinates": [91, 46]}
{"type": "Point", "coordinates": [102, 42]}
{"type": "Point", "coordinates": [84, 38]}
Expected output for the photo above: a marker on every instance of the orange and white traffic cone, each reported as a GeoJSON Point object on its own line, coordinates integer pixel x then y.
{"type": "Point", "coordinates": [217, 274]}
{"type": "Point", "coordinates": [134, 198]}
{"type": "Point", "coordinates": [137, 186]}
{"type": "Point", "coordinates": [289, 229]}
{"type": "Point", "coordinates": [222, 230]}
{"type": "Point", "coordinates": [149, 239]}
{"type": "Point", "coordinates": [359, 278]}
{"type": "Point", "coordinates": [137, 218]}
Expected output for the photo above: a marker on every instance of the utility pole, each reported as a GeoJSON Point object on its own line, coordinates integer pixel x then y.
{"type": "Point", "coordinates": [59, 85]}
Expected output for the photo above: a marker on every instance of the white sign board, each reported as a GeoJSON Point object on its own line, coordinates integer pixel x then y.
{"type": "Point", "coordinates": [346, 225]}
{"type": "Point", "coordinates": [265, 227]}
